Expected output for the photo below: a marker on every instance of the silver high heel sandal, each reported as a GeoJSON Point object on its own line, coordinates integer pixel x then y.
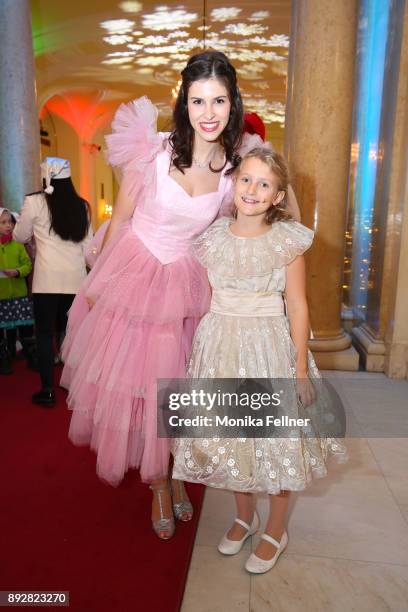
{"type": "Point", "coordinates": [162, 525]}
{"type": "Point", "coordinates": [183, 507]}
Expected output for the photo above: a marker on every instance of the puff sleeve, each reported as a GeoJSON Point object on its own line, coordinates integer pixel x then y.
{"type": "Point", "coordinates": [134, 144]}
{"type": "Point", "coordinates": [233, 257]}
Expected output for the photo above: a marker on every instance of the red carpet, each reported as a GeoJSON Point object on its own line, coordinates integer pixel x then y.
{"type": "Point", "coordinates": [62, 529]}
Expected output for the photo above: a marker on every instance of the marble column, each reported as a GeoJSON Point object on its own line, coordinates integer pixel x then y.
{"type": "Point", "coordinates": [19, 125]}
{"type": "Point", "coordinates": [317, 146]}
{"type": "Point", "coordinates": [393, 309]}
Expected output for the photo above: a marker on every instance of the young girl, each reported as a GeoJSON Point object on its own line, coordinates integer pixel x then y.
{"type": "Point", "coordinates": [252, 261]}
{"type": "Point", "coordinates": [15, 306]}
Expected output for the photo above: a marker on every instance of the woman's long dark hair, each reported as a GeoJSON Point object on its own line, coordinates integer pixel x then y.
{"type": "Point", "coordinates": [69, 213]}
{"type": "Point", "coordinates": [209, 64]}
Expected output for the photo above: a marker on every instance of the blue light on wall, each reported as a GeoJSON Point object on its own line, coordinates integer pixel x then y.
{"type": "Point", "coordinates": [373, 35]}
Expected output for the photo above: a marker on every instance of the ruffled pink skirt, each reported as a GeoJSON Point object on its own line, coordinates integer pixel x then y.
{"type": "Point", "coordinates": [140, 329]}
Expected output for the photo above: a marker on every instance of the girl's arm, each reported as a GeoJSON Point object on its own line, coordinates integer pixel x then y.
{"type": "Point", "coordinates": [293, 207]}
{"type": "Point", "coordinates": [24, 262]}
{"type": "Point", "coordinates": [298, 312]}
{"type": "Point", "coordinates": [122, 211]}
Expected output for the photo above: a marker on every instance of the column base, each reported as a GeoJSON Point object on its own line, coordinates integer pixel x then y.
{"type": "Point", "coordinates": [371, 349]}
{"type": "Point", "coordinates": [335, 353]}
{"type": "Point", "coordinates": [347, 359]}
{"type": "Point", "coordinates": [396, 360]}
{"type": "Point", "coordinates": [347, 318]}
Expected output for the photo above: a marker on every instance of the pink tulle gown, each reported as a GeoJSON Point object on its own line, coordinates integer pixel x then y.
{"type": "Point", "coordinates": [149, 294]}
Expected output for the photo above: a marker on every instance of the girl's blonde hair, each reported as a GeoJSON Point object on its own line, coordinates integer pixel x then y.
{"type": "Point", "coordinates": [276, 164]}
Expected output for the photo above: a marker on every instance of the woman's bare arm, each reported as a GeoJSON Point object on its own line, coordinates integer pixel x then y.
{"type": "Point", "coordinates": [122, 211]}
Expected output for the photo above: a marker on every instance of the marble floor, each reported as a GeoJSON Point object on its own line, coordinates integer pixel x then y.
{"type": "Point", "coordinates": [348, 533]}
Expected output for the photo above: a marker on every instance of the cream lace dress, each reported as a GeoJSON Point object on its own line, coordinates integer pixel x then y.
{"type": "Point", "coordinates": [246, 335]}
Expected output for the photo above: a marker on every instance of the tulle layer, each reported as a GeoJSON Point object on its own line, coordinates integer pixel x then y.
{"type": "Point", "coordinates": [140, 328]}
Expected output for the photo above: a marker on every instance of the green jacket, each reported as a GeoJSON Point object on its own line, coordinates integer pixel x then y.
{"type": "Point", "coordinates": [14, 256]}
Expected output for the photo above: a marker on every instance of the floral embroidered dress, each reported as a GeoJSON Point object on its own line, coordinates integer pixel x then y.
{"type": "Point", "coordinates": [246, 335]}
{"type": "Point", "coordinates": [149, 294]}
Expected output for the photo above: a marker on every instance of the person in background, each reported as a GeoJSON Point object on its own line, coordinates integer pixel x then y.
{"type": "Point", "coordinates": [15, 306]}
{"type": "Point", "coordinates": [24, 333]}
{"type": "Point", "coordinates": [59, 220]}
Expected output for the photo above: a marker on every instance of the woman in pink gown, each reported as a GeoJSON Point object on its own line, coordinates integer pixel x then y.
{"type": "Point", "coordinates": [134, 318]}
{"type": "Point", "coordinates": [146, 291]}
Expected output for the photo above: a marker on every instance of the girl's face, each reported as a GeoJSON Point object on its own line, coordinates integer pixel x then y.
{"type": "Point", "coordinates": [208, 106]}
{"type": "Point", "coordinates": [6, 225]}
{"type": "Point", "coordinates": [256, 188]}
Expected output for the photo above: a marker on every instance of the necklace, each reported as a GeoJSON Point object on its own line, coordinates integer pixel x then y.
{"type": "Point", "coordinates": [199, 164]}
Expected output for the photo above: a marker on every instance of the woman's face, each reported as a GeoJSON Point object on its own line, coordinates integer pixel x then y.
{"type": "Point", "coordinates": [209, 108]}
{"type": "Point", "coordinates": [6, 225]}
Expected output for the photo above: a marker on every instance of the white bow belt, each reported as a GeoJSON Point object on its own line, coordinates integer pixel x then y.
{"type": "Point", "coordinates": [247, 304]}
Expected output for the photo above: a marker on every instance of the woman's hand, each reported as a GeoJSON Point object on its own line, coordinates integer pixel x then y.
{"type": "Point", "coordinates": [305, 391]}
{"type": "Point", "coordinates": [11, 273]}
{"type": "Point", "coordinates": [91, 302]}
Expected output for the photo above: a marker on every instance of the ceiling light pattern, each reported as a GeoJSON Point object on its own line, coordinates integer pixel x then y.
{"type": "Point", "coordinates": [154, 40]}
{"type": "Point", "coordinates": [276, 40]}
{"type": "Point", "coordinates": [180, 56]}
{"type": "Point", "coordinates": [118, 26]}
{"type": "Point", "coordinates": [253, 55]}
{"type": "Point", "coordinates": [161, 50]}
{"type": "Point", "coordinates": [121, 54]}
{"type": "Point", "coordinates": [157, 45]}
{"type": "Point", "coordinates": [178, 34]}
{"type": "Point", "coordinates": [259, 16]}
{"type": "Point", "coordinates": [152, 61]}
{"type": "Point", "coordinates": [131, 7]}
{"type": "Point", "coordinates": [117, 39]}
{"type": "Point", "coordinates": [164, 19]}
{"type": "Point", "coordinates": [116, 60]}
{"type": "Point", "coordinates": [243, 29]}
{"type": "Point", "coordinates": [271, 112]}
{"type": "Point", "coordinates": [225, 14]}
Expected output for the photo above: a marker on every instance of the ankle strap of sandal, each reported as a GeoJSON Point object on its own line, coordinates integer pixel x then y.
{"type": "Point", "coordinates": [271, 540]}
{"type": "Point", "coordinates": [159, 489]}
{"type": "Point", "coordinates": [243, 523]}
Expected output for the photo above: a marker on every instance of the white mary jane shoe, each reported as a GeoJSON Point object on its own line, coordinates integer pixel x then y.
{"type": "Point", "coordinates": [232, 547]}
{"type": "Point", "coordinates": [255, 565]}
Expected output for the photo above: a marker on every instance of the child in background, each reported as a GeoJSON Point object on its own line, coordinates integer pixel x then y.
{"type": "Point", "coordinates": [24, 334]}
{"type": "Point", "coordinates": [15, 306]}
{"type": "Point", "coordinates": [252, 261]}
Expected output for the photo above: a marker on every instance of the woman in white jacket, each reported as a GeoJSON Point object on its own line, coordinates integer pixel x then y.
{"type": "Point", "coordinates": [59, 220]}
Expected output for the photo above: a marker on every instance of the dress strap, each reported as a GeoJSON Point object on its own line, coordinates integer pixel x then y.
{"type": "Point", "coordinates": [242, 523]}
{"type": "Point", "coordinates": [271, 540]}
